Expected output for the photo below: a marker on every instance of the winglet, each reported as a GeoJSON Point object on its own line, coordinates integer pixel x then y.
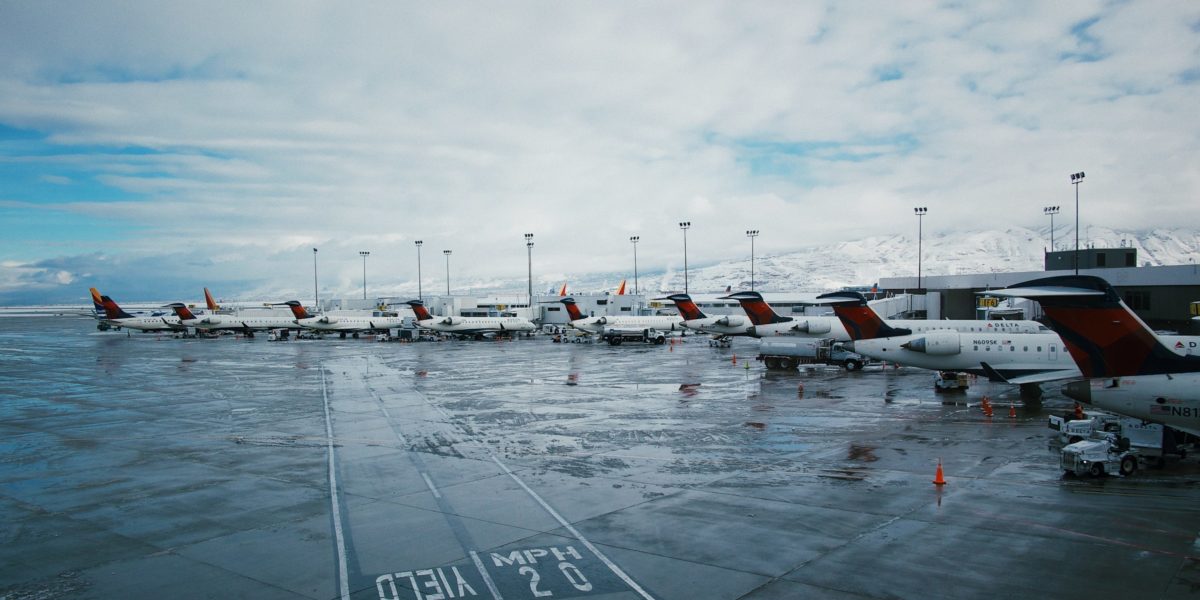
{"type": "Point", "coordinates": [756, 308]}
{"type": "Point", "coordinates": [1103, 335]}
{"type": "Point", "coordinates": [861, 322]}
{"type": "Point", "coordinates": [687, 309]}
{"type": "Point", "coordinates": [208, 300]}
{"type": "Point", "coordinates": [418, 307]}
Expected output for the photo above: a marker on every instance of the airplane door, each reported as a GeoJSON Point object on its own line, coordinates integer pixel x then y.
{"type": "Point", "coordinates": [1053, 351]}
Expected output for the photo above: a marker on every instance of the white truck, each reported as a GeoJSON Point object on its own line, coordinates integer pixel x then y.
{"type": "Point", "coordinates": [1149, 440]}
{"type": "Point", "coordinates": [1099, 456]}
{"type": "Point", "coordinates": [616, 337]}
{"type": "Point", "coordinates": [786, 352]}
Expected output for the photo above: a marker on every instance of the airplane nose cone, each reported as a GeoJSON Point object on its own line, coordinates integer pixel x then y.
{"type": "Point", "coordinates": [1079, 391]}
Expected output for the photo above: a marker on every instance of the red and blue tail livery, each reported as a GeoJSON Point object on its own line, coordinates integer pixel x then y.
{"type": "Point", "coordinates": [1102, 334]}
{"type": "Point", "coordinates": [687, 308]}
{"type": "Point", "coordinates": [860, 320]}
{"type": "Point", "coordinates": [418, 308]}
{"type": "Point", "coordinates": [756, 308]}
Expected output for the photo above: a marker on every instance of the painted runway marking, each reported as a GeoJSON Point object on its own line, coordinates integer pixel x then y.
{"type": "Point", "coordinates": [432, 488]}
{"type": "Point", "coordinates": [487, 578]}
{"type": "Point", "coordinates": [343, 575]}
{"type": "Point", "coordinates": [575, 532]}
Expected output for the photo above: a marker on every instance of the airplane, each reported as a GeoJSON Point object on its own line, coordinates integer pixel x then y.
{"type": "Point", "coordinates": [767, 322]}
{"type": "Point", "coordinates": [342, 324]}
{"type": "Point", "coordinates": [720, 326]}
{"type": "Point", "coordinates": [213, 307]}
{"type": "Point", "coordinates": [247, 324]}
{"type": "Point", "coordinates": [601, 324]}
{"type": "Point", "coordinates": [1129, 369]}
{"type": "Point", "coordinates": [117, 317]}
{"type": "Point", "coordinates": [472, 326]}
{"type": "Point", "coordinates": [1023, 359]}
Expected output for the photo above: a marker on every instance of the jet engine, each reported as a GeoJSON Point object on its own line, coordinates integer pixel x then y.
{"type": "Point", "coordinates": [327, 320]}
{"type": "Point", "coordinates": [814, 327]}
{"type": "Point", "coordinates": [939, 343]}
{"type": "Point", "coordinates": [602, 321]}
{"type": "Point", "coordinates": [451, 321]}
{"type": "Point", "coordinates": [731, 321]}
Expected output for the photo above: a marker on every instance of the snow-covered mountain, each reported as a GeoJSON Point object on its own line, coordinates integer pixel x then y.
{"type": "Point", "coordinates": [864, 261]}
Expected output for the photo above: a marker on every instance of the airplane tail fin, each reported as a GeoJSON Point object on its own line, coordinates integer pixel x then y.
{"type": "Point", "coordinates": [297, 309]}
{"type": "Point", "coordinates": [756, 308]}
{"type": "Point", "coordinates": [860, 320]}
{"type": "Point", "coordinates": [621, 289]}
{"type": "Point", "coordinates": [208, 300]}
{"type": "Point", "coordinates": [97, 303]}
{"type": "Point", "coordinates": [687, 309]}
{"type": "Point", "coordinates": [418, 307]}
{"type": "Point", "coordinates": [573, 311]}
{"type": "Point", "coordinates": [182, 311]}
{"type": "Point", "coordinates": [112, 310]}
{"type": "Point", "coordinates": [1103, 335]}
{"type": "Point", "coordinates": [563, 291]}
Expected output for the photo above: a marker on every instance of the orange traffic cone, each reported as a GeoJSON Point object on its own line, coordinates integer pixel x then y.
{"type": "Point", "coordinates": [1012, 411]}
{"type": "Point", "coordinates": [735, 358]}
{"type": "Point", "coordinates": [938, 479]}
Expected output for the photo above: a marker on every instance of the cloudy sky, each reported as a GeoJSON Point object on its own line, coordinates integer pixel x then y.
{"type": "Point", "coordinates": [151, 148]}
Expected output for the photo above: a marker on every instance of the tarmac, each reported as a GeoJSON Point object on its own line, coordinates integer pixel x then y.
{"type": "Point", "coordinates": [143, 466]}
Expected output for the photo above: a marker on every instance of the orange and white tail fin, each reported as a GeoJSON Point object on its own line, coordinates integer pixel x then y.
{"type": "Point", "coordinates": [208, 300]}
{"type": "Point", "coordinates": [563, 291]}
{"type": "Point", "coordinates": [621, 289]}
{"type": "Point", "coordinates": [97, 303]}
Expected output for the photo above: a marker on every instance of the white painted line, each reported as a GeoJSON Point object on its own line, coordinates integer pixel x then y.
{"type": "Point", "coordinates": [487, 577]}
{"type": "Point", "coordinates": [333, 496]}
{"type": "Point", "coordinates": [432, 488]}
{"type": "Point", "coordinates": [579, 536]}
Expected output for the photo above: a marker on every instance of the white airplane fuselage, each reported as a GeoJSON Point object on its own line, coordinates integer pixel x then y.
{"type": "Point", "coordinates": [235, 322]}
{"type": "Point", "coordinates": [832, 328]}
{"type": "Point", "coordinates": [477, 325]}
{"type": "Point", "coordinates": [723, 325]}
{"type": "Point", "coordinates": [1172, 400]}
{"type": "Point", "coordinates": [347, 323]}
{"type": "Point", "coordinates": [163, 323]}
{"type": "Point", "coordinates": [598, 325]}
{"type": "Point", "coordinates": [1012, 354]}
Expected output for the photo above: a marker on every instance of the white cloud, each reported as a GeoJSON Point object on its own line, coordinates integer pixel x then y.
{"type": "Point", "coordinates": [275, 127]}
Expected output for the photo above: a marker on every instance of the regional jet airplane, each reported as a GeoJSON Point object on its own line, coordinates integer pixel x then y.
{"type": "Point", "coordinates": [720, 326]}
{"type": "Point", "coordinates": [1018, 358]}
{"type": "Point", "coordinates": [469, 326]}
{"type": "Point", "coordinates": [342, 324]}
{"type": "Point", "coordinates": [1130, 369]}
{"type": "Point", "coordinates": [246, 323]}
{"type": "Point", "coordinates": [119, 318]}
{"type": "Point", "coordinates": [598, 325]}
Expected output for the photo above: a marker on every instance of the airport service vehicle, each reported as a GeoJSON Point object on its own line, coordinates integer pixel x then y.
{"type": "Point", "coordinates": [599, 325]}
{"type": "Point", "coordinates": [1150, 440]}
{"type": "Point", "coordinates": [616, 337]}
{"type": "Point", "coordinates": [951, 381]}
{"type": "Point", "coordinates": [788, 352]}
{"type": "Point", "coordinates": [1130, 369]}
{"type": "Point", "coordinates": [1097, 457]}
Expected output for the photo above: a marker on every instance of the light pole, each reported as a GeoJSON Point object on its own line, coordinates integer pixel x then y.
{"type": "Point", "coordinates": [1076, 179]}
{"type": "Point", "coordinates": [920, 212]}
{"type": "Point", "coordinates": [364, 254]}
{"type": "Point", "coordinates": [419, 243]}
{"type": "Point", "coordinates": [634, 239]}
{"type": "Point", "coordinates": [529, 251]}
{"type": "Point", "coordinates": [685, 225]}
{"type": "Point", "coordinates": [447, 253]}
{"type": "Point", "coordinates": [316, 298]}
{"type": "Point", "coordinates": [752, 233]}
{"type": "Point", "coordinates": [1051, 210]}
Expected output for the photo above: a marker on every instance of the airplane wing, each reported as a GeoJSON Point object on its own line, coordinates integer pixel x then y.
{"type": "Point", "coordinates": [1023, 377]}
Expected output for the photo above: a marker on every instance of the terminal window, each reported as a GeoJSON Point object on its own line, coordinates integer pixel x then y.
{"type": "Point", "coordinates": [1138, 300]}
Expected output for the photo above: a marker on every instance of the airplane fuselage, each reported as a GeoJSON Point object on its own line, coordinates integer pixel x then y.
{"type": "Point", "coordinates": [1172, 400]}
{"type": "Point", "coordinates": [235, 322]}
{"type": "Point", "coordinates": [1011, 354]}
{"type": "Point", "coordinates": [723, 325]}
{"type": "Point", "coordinates": [163, 323]}
{"type": "Point", "coordinates": [477, 325]}
{"type": "Point", "coordinates": [598, 325]}
{"type": "Point", "coordinates": [832, 327]}
{"type": "Point", "coordinates": [343, 323]}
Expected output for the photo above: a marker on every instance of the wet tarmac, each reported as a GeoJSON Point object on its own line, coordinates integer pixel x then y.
{"type": "Point", "coordinates": [150, 467]}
